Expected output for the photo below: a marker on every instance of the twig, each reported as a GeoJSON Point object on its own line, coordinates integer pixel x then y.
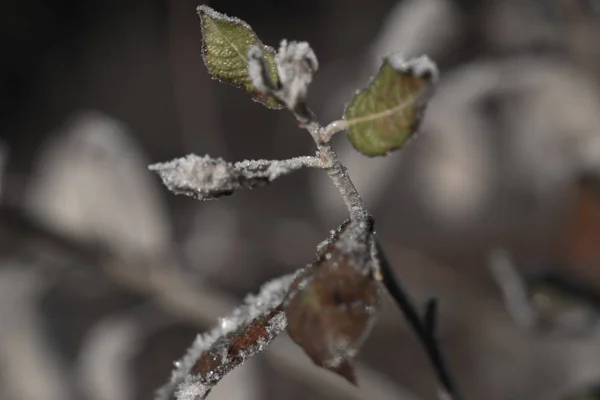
{"type": "Point", "coordinates": [424, 327]}
{"type": "Point", "coordinates": [334, 167]}
{"type": "Point", "coordinates": [296, 63]}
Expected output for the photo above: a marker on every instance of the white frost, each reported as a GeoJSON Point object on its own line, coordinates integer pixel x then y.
{"type": "Point", "coordinates": [204, 9]}
{"type": "Point", "coordinates": [270, 296]}
{"type": "Point", "coordinates": [257, 70]}
{"type": "Point", "coordinates": [296, 64]}
{"type": "Point", "coordinates": [191, 389]}
{"type": "Point", "coordinates": [201, 177]}
{"type": "Point", "coordinates": [421, 66]}
{"type": "Point", "coordinates": [207, 178]}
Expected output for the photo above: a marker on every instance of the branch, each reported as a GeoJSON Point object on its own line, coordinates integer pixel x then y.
{"type": "Point", "coordinates": [296, 63]}
{"type": "Point", "coordinates": [338, 173]}
{"type": "Point", "coordinates": [424, 327]}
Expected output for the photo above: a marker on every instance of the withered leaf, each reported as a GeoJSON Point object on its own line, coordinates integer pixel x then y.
{"type": "Point", "coordinates": [231, 349]}
{"type": "Point", "coordinates": [207, 178]}
{"type": "Point", "coordinates": [247, 331]}
{"type": "Point", "coordinates": [332, 306]}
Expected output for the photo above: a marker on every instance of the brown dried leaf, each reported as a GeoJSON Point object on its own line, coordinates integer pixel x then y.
{"type": "Point", "coordinates": [230, 350]}
{"type": "Point", "coordinates": [247, 331]}
{"type": "Point", "coordinates": [332, 306]}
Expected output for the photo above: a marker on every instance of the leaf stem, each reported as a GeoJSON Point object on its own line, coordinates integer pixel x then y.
{"type": "Point", "coordinates": [333, 128]}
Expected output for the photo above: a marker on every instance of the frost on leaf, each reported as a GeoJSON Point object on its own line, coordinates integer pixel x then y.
{"type": "Point", "coordinates": [332, 305]}
{"type": "Point", "coordinates": [382, 117]}
{"type": "Point", "coordinates": [206, 178]}
{"type": "Point", "coordinates": [296, 64]}
{"type": "Point", "coordinates": [247, 331]}
{"type": "Point", "coordinates": [226, 42]}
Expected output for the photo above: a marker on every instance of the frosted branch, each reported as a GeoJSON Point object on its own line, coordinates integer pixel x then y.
{"type": "Point", "coordinates": [206, 178]}
{"type": "Point", "coordinates": [246, 332]}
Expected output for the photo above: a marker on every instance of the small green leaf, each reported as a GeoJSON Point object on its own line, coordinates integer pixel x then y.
{"type": "Point", "coordinates": [384, 115]}
{"type": "Point", "coordinates": [226, 42]}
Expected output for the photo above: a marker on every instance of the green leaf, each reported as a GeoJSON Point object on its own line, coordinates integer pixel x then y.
{"type": "Point", "coordinates": [226, 42]}
{"type": "Point", "coordinates": [382, 117]}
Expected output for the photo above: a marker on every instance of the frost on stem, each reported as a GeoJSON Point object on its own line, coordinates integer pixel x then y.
{"type": "Point", "coordinates": [247, 331]}
{"type": "Point", "coordinates": [206, 178]}
{"type": "Point", "coordinates": [296, 64]}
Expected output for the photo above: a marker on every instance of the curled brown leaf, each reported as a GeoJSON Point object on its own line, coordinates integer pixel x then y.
{"type": "Point", "coordinates": [333, 304]}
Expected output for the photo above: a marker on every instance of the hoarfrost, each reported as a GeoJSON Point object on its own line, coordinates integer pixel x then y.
{"type": "Point", "coordinates": [191, 389]}
{"type": "Point", "coordinates": [258, 71]}
{"type": "Point", "coordinates": [204, 9]}
{"type": "Point", "coordinates": [421, 66]}
{"type": "Point", "coordinates": [260, 312]}
{"type": "Point", "coordinates": [206, 178]}
{"type": "Point", "coordinates": [296, 65]}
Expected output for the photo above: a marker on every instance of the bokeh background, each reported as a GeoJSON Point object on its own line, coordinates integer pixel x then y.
{"type": "Point", "coordinates": [106, 277]}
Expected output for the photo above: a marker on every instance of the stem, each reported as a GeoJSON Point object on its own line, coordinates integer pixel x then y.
{"type": "Point", "coordinates": [333, 128]}
{"type": "Point", "coordinates": [339, 175]}
{"type": "Point", "coordinates": [419, 326]}
{"type": "Point", "coordinates": [334, 167]}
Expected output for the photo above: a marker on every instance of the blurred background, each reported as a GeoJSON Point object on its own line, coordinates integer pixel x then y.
{"type": "Point", "coordinates": [106, 277]}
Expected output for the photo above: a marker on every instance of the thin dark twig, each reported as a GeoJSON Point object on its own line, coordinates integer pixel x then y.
{"type": "Point", "coordinates": [425, 336]}
{"type": "Point", "coordinates": [430, 315]}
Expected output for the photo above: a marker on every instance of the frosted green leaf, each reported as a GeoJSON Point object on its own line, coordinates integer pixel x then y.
{"type": "Point", "coordinates": [225, 45]}
{"type": "Point", "coordinates": [382, 117]}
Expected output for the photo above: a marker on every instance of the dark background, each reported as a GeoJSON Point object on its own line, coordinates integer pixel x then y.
{"type": "Point", "coordinates": [93, 91]}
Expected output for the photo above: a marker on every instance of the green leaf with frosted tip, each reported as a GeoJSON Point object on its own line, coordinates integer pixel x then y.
{"type": "Point", "coordinates": [382, 117]}
{"type": "Point", "coordinates": [225, 45]}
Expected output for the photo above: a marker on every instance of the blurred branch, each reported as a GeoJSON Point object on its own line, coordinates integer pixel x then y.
{"type": "Point", "coordinates": [31, 368]}
{"type": "Point", "coordinates": [198, 305]}
{"type": "Point", "coordinates": [514, 289]}
{"type": "Point", "coordinates": [103, 363]}
{"type": "Point", "coordinates": [546, 303]}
